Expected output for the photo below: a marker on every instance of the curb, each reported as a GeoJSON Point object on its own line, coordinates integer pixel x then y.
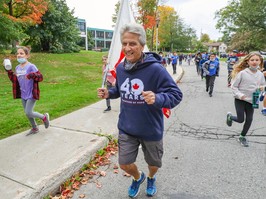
{"type": "Point", "coordinates": [178, 80]}
{"type": "Point", "coordinates": [52, 182]}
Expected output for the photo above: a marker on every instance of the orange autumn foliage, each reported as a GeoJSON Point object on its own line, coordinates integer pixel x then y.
{"type": "Point", "coordinates": [29, 11]}
{"type": "Point", "coordinates": [150, 22]}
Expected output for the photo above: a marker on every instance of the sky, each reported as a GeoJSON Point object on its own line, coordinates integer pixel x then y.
{"type": "Point", "coordinates": [198, 14]}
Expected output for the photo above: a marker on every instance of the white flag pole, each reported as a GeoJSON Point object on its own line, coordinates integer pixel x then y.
{"type": "Point", "coordinates": [125, 15]}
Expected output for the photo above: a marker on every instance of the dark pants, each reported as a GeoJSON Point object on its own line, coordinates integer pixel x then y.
{"type": "Point", "coordinates": [174, 68]}
{"type": "Point", "coordinates": [243, 108]}
{"type": "Point", "coordinates": [168, 61]}
{"type": "Point", "coordinates": [210, 83]}
{"type": "Point", "coordinates": [108, 101]}
{"type": "Point", "coordinates": [229, 77]}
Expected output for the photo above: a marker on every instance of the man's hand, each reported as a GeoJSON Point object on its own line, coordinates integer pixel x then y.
{"type": "Point", "coordinates": [149, 97]}
{"type": "Point", "coordinates": [102, 93]}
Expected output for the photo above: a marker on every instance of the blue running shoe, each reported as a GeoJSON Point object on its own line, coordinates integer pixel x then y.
{"type": "Point", "coordinates": [263, 112]}
{"type": "Point", "coordinates": [151, 187]}
{"type": "Point", "coordinates": [133, 190]}
{"type": "Point", "coordinates": [262, 96]}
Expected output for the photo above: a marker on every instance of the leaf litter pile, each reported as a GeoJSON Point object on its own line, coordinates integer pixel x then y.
{"type": "Point", "coordinates": [89, 173]}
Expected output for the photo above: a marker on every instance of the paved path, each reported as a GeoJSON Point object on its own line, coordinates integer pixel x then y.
{"type": "Point", "coordinates": [32, 166]}
{"type": "Point", "coordinates": [202, 158]}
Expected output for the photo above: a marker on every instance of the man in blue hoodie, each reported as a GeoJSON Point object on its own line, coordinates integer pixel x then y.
{"type": "Point", "coordinates": [144, 87]}
{"type": "Point", "coordinates": [211, 69]}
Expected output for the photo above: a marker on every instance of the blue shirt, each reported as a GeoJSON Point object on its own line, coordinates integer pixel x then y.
{"type": "Point", "coordinates": [213, 68]}
{"type": "Point", "coordinates": [174, 59]}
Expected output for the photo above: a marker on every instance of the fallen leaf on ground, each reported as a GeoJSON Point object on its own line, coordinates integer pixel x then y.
{"type": "Point", "coordinates": [76, 185]}
{"type": "Point", "coordinates": [82, 196]}
{"type": "Point", "coordinates": [84, 180]}
{"type": "Point", "coordinates": [115, 166]}
{"type": "Point", "coordinates": [91, 172]}
{"type": "Point", "coordinates": [70, 195]}
{"type": "Point", "coordinates": [116, 171]}
{"type": "Point", "coordinates": [66, 192]}
{"type": "Point", "coordinates": [98, 185]}
{"type": "Point", "coordinates": [102, 173]}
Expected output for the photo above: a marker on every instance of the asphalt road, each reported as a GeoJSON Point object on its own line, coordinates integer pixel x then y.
{"type": "Point", "coordinates": [202, 158]}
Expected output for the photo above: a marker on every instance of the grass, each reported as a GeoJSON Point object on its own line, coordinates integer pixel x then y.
{"type": "Point", "coordinates": [70, 83]}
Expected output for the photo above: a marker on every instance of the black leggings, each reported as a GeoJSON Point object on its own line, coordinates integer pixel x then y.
{"type": "Point", "coordinates": [242, 108]}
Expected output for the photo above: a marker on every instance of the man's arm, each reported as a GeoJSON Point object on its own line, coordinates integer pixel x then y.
{"type": "Point", "coordinates": [168, 95]}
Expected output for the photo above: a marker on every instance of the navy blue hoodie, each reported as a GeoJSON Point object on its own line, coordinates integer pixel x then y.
{"type": "Point", "coordinates": [137, 118]}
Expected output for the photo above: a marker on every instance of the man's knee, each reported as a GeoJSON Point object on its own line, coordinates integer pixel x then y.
{"type": "Point", "coordinates": [125, 167]}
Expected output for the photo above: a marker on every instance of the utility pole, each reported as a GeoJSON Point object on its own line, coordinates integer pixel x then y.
{"type": "Point", "coordinates": [157, 26]}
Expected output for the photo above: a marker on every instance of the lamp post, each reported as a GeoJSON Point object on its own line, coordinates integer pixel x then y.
{"type": "Point", "coordinates": [157, 25]}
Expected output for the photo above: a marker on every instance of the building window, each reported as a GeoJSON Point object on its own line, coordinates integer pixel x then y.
{"type": "Point", "coordinates": [108, 44]}
{"type": "Point", "coordinates": [99, 34]}
{"type": "Point", "coordinates": [82, 26]}
{"type": "Point", "coordinates": [92, 33]}
{"type": "Point", "coordinates": [108, 35]}
{"type": "Point", "coordinates": [100, 44]}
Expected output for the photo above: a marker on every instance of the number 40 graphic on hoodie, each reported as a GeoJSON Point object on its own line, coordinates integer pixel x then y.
{"type": "Point", "coordinates": [131, 88]}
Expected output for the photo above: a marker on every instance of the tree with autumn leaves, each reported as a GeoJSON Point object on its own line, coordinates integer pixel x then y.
{"type": "Point", "coordinates": [58, 33]}
{"type": "Point", "coordinates": [46, 25]}
{"type": "Point", "coordinates": [173, 33]}
{"type": "Point", "coordinates": [28, 12]}
{"type": "Point", "coordinates": [18, 14]}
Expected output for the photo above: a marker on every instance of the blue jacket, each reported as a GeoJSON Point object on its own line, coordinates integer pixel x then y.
{"type": "Point", "coordinates": [174, 59]}
{"type": "Point", "coordinates": [202, 61]}
{"type": "Point", "coordinates": [137, 118]}
{"type": "Point", "coordinates": [231, 60]}
{"type": "Point", "coordinates": [211, 68]}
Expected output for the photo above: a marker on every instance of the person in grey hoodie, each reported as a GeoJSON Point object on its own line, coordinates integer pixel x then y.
{"type": "Point", "coordinates": [247, 78]}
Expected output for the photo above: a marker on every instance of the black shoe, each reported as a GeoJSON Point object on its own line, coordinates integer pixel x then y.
{"type": "Point", "coordinates": [207, 89]}
{"type": "Point", "coordinates": [108, 109]}
{"type": "Point", "coordinates": [210, 94]}
{"type": "Point", "coordinates": [243, 141]}
{"type": "Point", "coordinates": [228, 119]}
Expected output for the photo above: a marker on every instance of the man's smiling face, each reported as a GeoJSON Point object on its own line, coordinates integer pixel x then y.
{"type": "Point", "coordinates": [131, 47]}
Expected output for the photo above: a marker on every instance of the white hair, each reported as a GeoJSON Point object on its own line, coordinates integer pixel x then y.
{"type": "Point", "coordinates": [136, 29]}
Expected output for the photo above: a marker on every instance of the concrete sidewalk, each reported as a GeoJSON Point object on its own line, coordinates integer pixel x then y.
{"type": "Point", "coordinates": [32, 166]}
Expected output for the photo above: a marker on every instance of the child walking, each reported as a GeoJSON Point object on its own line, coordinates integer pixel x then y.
{"type": "Point", "coordinates": [211, 68]}
{"type": "Point", "coordinates": [247, 78]}
{"type": "Point", "coordinates": [110, 81]}
{"type": "Point", "coordinates": [25, 85]}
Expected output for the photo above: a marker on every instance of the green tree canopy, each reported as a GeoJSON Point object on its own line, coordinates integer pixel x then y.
{"type": "Point", "coordinates": [243, 23]}
{"type": "Point", "coordinates": [57, 33]}
{"type": "Point", "coordinates": [9, 31]}
{"type": "Point", "coordinates": [205, 38]}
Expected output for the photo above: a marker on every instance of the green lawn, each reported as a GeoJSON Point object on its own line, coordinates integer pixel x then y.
{"type": "Point", "coordinates": [70, 83]}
